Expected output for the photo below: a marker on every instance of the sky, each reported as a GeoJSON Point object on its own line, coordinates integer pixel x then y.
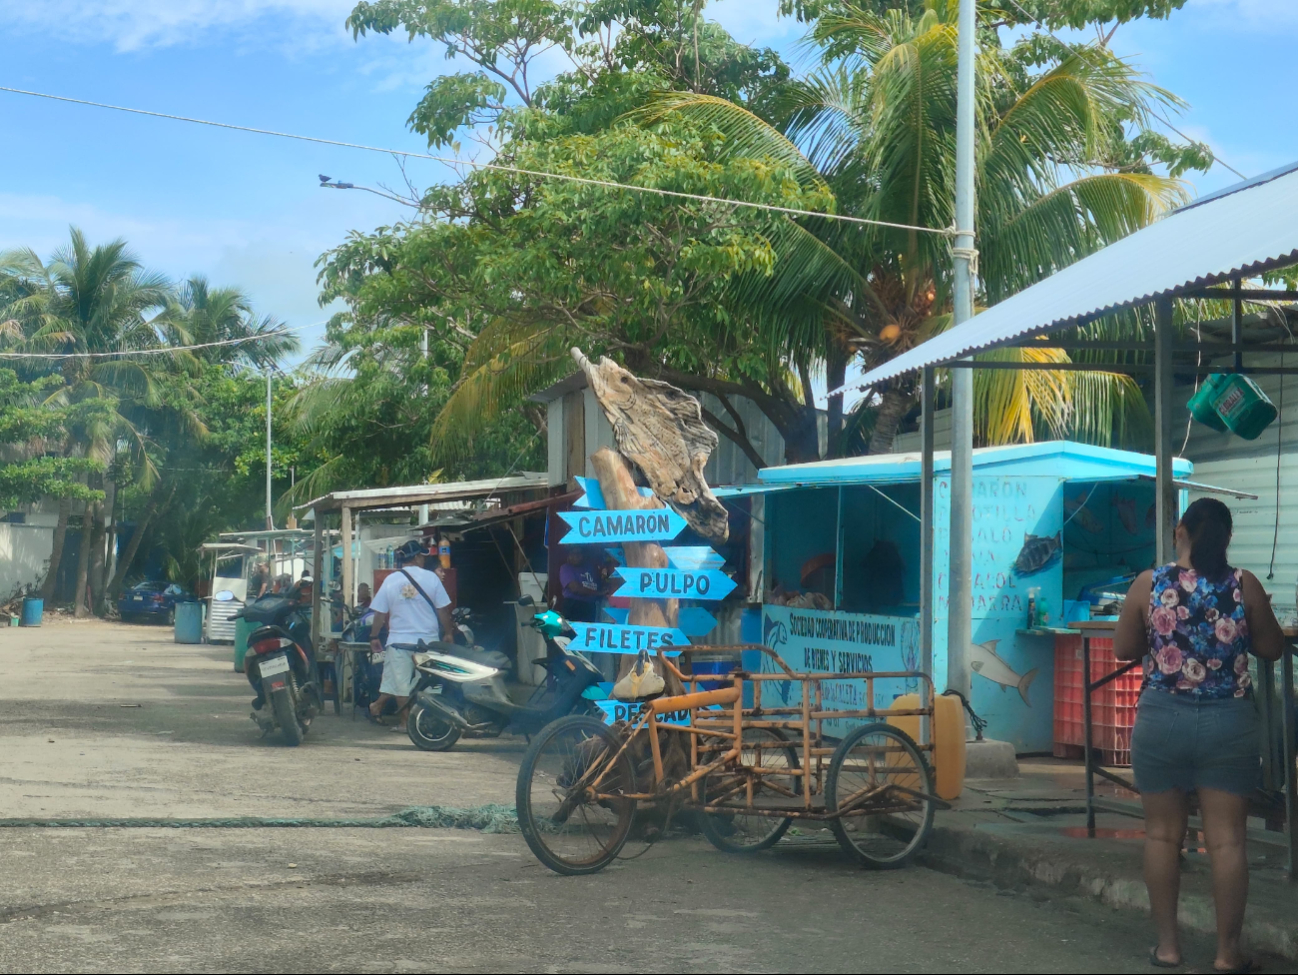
{"type": "Point", "coordinates": [247, 210]}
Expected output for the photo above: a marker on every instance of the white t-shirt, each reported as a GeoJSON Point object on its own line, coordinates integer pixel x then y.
{"type": "Point", "coordinates": [411, 618]}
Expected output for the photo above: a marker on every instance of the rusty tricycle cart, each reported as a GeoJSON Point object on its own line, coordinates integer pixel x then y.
{"type": "Point", "coordinates": [748, 772]}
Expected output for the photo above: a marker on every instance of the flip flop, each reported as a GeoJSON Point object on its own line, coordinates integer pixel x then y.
{"type": "Point", "coordinates": [1159, 963]}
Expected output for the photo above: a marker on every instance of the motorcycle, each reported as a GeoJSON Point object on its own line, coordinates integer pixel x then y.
{"type": "Point", "coordinates": [281, 667]}
{"type": "Point", "coordinates": [461, 690]}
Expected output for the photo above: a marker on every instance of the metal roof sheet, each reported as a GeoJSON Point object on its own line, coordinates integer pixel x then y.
{"type": "Point", "coordinates": [1241, 230]}
{"type": "Point", "coordinates": [416, 494]}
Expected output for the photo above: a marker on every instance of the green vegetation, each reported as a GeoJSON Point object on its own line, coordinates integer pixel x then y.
{"type": "Point", "coordinates": [505, 271]}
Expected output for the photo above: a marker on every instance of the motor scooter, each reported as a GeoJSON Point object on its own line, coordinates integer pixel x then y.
{"type": "Point", "coordinates": [461, 690]}
{"type": "Point", "coordinates": [281, 667]}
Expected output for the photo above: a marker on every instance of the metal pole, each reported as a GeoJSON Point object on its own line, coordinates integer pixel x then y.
{"type": "Point", "coordinates": [1164, 490]}
{"type": "Point", "coordinates": [346, 540]}
{"type": "Point", "coordinates": [270, 521]}
{"type": "Point", "coordinates": [1237, 324]}
{"type": "Point", "coordinates": [960, 576]}
{"type": "Point", "coordinates": [926, 418]}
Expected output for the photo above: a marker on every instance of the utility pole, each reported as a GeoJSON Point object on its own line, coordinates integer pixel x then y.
{"type": "Point", "coordinates": [960, 573]}
{"type": "Point", "coordinates": [270, 520]}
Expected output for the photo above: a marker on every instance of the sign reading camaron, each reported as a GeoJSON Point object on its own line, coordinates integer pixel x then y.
{"type": "Point", "coordinates": [610, 527]}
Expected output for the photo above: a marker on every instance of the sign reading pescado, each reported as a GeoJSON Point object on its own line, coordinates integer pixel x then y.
{"type": "Point", "coordinates": [593, 527]}
{"type": "Point", "coordinates": [615, 638]}
{"type": "Point", "coordinates": [674, 584]}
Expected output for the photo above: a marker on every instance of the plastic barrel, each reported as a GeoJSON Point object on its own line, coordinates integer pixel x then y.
{"type": "Point", "coordinates": [704, 663]}
{"type": "Point", "coordinates": [189, 622]}
{"type": "Point", "coordinates": [33, 610]}
{"type": "Point", "coordinates": [948, 755]}
{"type": "Point", "coordinates": [242, 628]}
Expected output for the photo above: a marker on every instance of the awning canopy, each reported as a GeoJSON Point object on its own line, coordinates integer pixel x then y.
{"type": "Point", "coordinates": [414, 495]}
{"type": "Point", "coordinates": [1058, 458]}
{"type": "Point", "coordinates": [1240, 231]}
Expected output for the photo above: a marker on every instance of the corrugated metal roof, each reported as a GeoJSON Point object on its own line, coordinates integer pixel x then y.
{"type": "Point", "coordinates": [417, 494]}
{"type": "Point", "coordinates": [1241, 230]}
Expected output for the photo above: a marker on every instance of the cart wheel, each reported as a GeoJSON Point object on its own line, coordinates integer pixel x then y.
{"type": "Point", "coordinates": [739, 832]}
{"type": "Point", "coordinates": [885, 830]}
{"type": "Point", "coordinates": [568, 830]}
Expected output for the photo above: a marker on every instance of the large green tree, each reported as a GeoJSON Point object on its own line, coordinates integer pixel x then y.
{"type": "Point", "coordinates": [514, 268]}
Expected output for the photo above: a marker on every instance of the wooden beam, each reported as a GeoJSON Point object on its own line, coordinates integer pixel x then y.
{"type": "Point", "coordinates": [1165, 494]}
{"type": "Point", "coordinates": [1246, 294]}
{"type": "Point", "coordinates": [346, 533]}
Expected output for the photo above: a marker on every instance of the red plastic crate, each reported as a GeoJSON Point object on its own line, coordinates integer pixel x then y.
{"type": "Point", "coordinates": [1113, 706]}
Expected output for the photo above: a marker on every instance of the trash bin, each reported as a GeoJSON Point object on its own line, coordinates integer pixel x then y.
{"type": "Point", "coordinates": [242, 629]}
{"type": "Point", "coordinates": [33, 610]}
{"type": "Point", "coordinates": [189, 622]}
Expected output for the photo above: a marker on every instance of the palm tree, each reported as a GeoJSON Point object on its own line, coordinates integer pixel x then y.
{"type": "Point", "coordinates": [87, 301]}
{"type": "Point", "coordinates": [201, 314]}
{"type": "Point", "coordinates": [1055, 179]}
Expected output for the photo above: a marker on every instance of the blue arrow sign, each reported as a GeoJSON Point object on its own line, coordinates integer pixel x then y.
{"type": "Point", "coordinates": [603, 527]}
{"type": "Point", "coordinates": [594, 496]}
{"type": "Point", "coordinates": [674, 584]}
{"type": "Point", "coordinates": [615, 711]}
{"type": "Point", "coordinates": [694, 620]}
{"type": "Point", "coordinates": [616, 613]}
{"type": "Point", "coordinates": [693, 557]}
{"type": "Point", "coordinates": [614, 638]}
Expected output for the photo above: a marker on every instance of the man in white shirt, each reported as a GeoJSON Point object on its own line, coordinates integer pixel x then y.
{"type": "Point", "coordinates": [411, 616]}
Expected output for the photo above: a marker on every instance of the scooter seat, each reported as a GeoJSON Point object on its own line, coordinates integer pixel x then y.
{"type": "Point", "coordinates": [476, 655]}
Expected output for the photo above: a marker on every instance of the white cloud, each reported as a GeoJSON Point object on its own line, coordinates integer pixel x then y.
{"type": "Point", "coordinates": [135, 24]}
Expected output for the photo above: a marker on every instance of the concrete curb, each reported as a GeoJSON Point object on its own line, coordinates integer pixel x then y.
{"type": "Point", "coordinates": [981, 855]}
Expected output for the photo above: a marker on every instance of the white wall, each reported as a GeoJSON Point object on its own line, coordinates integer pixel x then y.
{"type": "Point", "coordinates": [24, 553]}
{"type": "Point", "coordinates": [1224, 460]}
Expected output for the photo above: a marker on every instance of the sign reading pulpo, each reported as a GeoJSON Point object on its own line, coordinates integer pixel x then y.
{"type": "Point", "coordinates": [693, 572]}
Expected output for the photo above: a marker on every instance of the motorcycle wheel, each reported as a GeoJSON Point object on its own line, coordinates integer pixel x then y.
{"type": "Point", "coordinates": [286, 717]}
{"type": "Point", "coordinates": [428, 732]}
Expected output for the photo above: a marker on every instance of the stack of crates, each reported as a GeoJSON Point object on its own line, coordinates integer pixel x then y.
{"type": "Point", "coordinates": [1113, 706]}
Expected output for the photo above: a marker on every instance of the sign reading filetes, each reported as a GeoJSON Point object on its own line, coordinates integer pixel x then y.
{"type": "Point", "coordinates": [693, 572]}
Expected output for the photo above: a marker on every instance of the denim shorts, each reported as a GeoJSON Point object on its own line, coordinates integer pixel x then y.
{"type": "Point", "coordinates": [1188, 743]}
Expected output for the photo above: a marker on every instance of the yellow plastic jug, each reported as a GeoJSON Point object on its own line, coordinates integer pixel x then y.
{"type": "Point", "coordinates": [948, 755]}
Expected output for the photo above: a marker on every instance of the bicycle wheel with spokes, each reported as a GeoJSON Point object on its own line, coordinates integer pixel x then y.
{"type": "Point", "coordinates": [767, 752]}
{"type": "Point", "coordinates": [569, 786]}
{"type": "Point", "coordinates": [879, 781]}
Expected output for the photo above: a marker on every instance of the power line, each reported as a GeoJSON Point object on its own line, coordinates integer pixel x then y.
{"type": "Point", "coordinates": [1156, 114]}
{"type": "Point", "coordinates": [451, 161]}
{"type": "Point", "coordinates": [160, 350]}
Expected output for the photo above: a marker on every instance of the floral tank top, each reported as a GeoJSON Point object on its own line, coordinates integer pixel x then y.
{"type": "Point", "coordinates": [1198, 636]}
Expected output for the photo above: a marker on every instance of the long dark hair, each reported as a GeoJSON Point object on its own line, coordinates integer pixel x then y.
{"type": "Point", "coordinates": [1208, 523]}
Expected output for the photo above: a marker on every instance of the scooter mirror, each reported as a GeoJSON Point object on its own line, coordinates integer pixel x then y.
{"type": "Point", "coordinates": [526, 600]}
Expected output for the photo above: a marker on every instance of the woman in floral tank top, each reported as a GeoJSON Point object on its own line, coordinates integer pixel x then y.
{"type": "Point", "coordinates": [1195, 621]}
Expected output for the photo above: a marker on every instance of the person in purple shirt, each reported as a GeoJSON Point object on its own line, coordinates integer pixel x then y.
{"type": "Point", "coordinates": [580, 583]}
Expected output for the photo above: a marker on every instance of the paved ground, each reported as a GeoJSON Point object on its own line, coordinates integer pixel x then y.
{"type": "Point", "coordinates": [291, 900]}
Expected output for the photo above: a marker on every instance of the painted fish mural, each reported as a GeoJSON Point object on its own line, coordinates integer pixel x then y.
{"type": "Point", "coordinates": [1038, 552]}
{"type": "Point", "coordinates": [1085, 518]}
{"type": "Point", "coordinates": [1127, 514]}
{"type": "Point", "coordinates": [983, 660]}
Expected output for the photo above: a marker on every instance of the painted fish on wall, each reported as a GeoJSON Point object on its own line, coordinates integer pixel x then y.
{"type": "Point", "coordinates": [1038, 552]}
{"type": "Point", "coordinates": [1085, 518]}
{"type": "Point", "coordinates": [1127, 514]}
{"type": "Point", "coordinates": [984, 661]}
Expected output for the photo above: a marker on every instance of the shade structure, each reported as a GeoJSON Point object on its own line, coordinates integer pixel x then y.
{"type": "Point", "coordinates": [1239, 231]}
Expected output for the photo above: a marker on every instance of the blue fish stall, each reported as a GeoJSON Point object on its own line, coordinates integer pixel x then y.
{"type": "Point", "coordinates": [1059, 529]}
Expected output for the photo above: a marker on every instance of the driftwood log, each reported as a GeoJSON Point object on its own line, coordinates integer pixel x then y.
{"type": "Point", "coordinates": [660, 429]}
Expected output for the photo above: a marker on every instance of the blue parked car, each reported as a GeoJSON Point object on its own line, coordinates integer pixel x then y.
{"type": "Point", "coordinates": [152, 600]}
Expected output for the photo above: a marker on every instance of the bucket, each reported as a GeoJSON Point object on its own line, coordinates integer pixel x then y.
{"type": "Point", "coordinates": [33, 610]}
{"type": "Point", "coordinates": [704, 663]}
{"type": "Point", "coordinates": [1227, 401]}
{"type": "Point", "coordinates": [242, 629]}
{"type": "Point", "coordinates": [189, 622]}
